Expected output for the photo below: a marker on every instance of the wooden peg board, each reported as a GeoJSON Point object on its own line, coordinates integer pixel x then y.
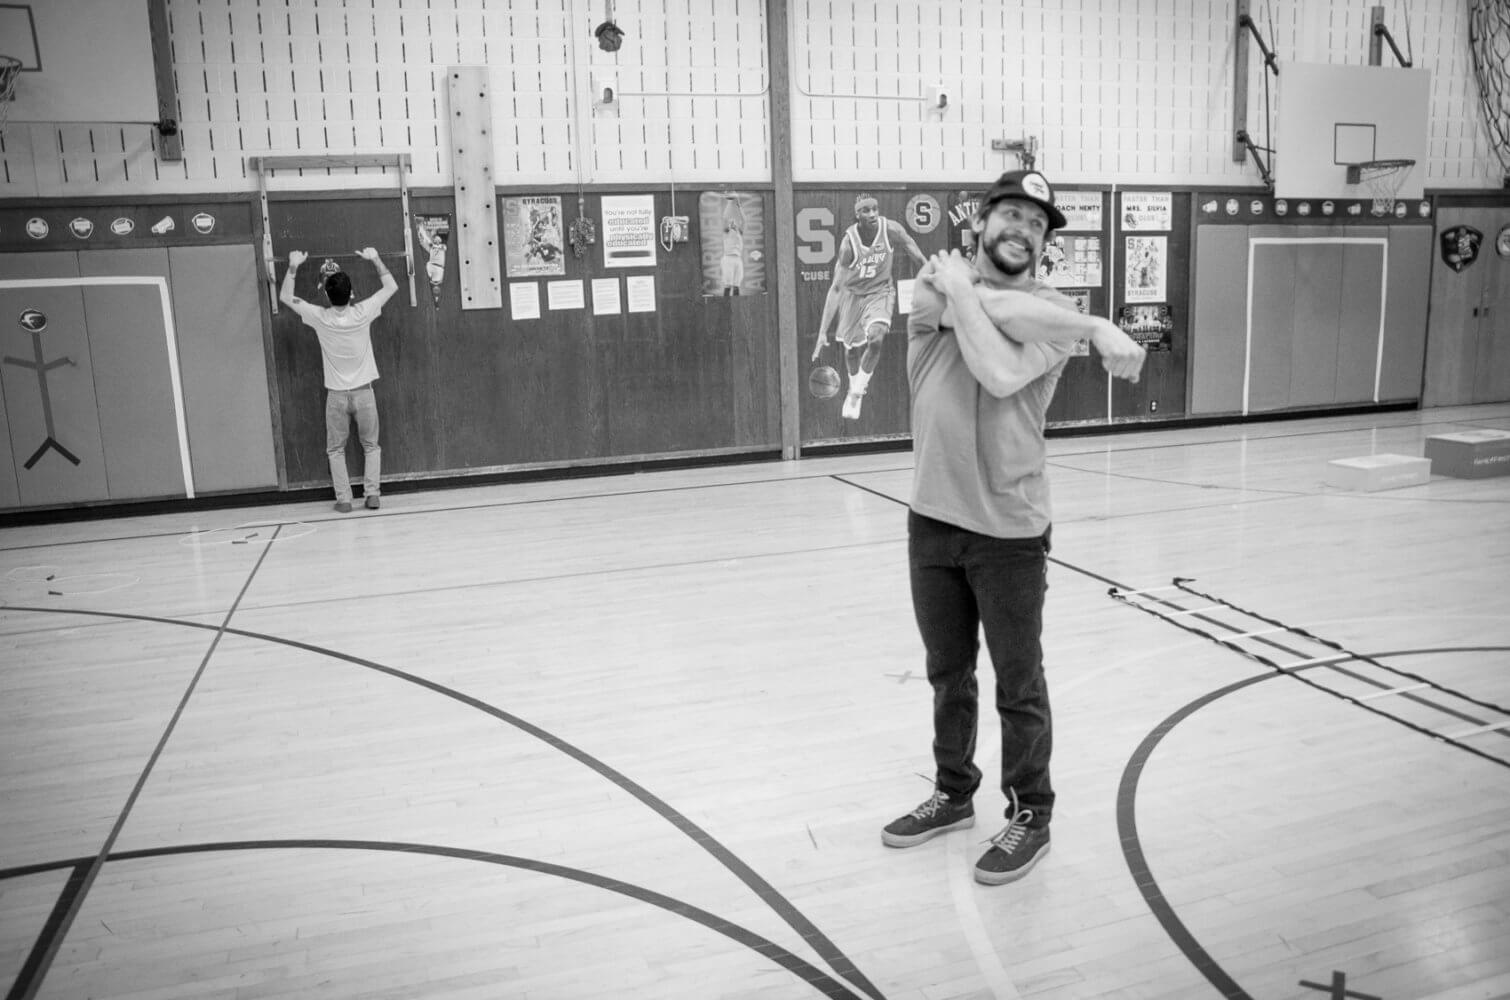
{"type": "Point", "coordinates": [475, 235]}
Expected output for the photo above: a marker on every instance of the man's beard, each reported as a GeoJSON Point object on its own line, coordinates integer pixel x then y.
{"type": "Point", "coordinates": [1004, 264]}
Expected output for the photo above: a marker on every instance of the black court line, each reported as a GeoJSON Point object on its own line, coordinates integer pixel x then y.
{"type": "Point", "coordinates": [46, 949]}
{"type": "Point", "coordinates": [1298, 673]}
{"type": "Point", "coordinates": [1127, 825]}
{"type": "Point", "coordinates": [487, 505]}
{"type": "Point", "coordinates": [820, 943]}
{"type": "Point", "coordinates": [1137, 863]}
{"type": "Point", "coordinates": [805, 971]}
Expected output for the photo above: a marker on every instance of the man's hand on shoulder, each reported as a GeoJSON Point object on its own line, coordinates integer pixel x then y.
{"type": "Point", "coordinates": [952, 273]}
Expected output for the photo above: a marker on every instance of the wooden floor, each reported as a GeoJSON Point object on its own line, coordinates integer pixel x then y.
{"type": "Point", "coordinates": [635, 737]}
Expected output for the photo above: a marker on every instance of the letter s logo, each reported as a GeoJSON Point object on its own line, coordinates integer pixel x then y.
{"type": "Point", "coordinates": [815, 236]}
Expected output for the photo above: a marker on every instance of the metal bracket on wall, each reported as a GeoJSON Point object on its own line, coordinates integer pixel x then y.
{"type": "Point", "coordinates": [262, 164]}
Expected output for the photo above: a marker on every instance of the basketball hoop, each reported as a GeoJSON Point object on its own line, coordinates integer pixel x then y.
{"type": "Point", "coordinates": [1383, 178]}
{"type": "Point", "coordinates": [10, 70]}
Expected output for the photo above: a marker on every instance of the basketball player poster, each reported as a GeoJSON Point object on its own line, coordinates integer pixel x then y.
{"type": "Point", "coordinates": [434, 233]}
{"type": "Point", "coordinates": [1146, 263]}
{"type": "Point", "coordinates": [732, 224]}
{"type": "Point", "coordinates": [532, 239]}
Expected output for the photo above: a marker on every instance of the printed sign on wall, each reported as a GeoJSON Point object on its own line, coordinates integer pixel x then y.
{"type": "Point", "coordinates": [629, 232]}
{"type": "Point", "coordinates": [733, 238]}
{"type": "Point", "coordinates": [1147, 210]}
{"type": "Point", "coordinates": [532, 236]}
{"type": "Point", "coordinates": [1147, 259]}
{"type": "Point", "coordinates": [1151, 326]}
{"type": "Point", "coordinates": [1081, 209]}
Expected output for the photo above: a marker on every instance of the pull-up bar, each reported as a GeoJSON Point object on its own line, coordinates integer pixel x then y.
{"type": "Point", "coordinates": [262, 164]}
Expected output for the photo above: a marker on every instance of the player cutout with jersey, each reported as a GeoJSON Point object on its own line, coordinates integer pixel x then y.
{"type": "Point", "coordinates": [863, 295]}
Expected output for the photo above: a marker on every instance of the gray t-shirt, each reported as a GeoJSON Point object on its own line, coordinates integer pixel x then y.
{"type": "Point", "coordinates": [345, 341]}
{"type": "Point", "coordinates": [978, 460]}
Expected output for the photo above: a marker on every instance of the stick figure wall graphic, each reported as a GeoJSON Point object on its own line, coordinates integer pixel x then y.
{"type": "Point", "coordinates": [34, 322]}
{"type": "Point", "coordinates": [98, 376]}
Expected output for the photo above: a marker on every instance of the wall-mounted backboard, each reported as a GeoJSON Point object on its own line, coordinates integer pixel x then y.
{"type": "Point", "coordinates": [1330, 116]}
{"type": "Point", "coordinates": [81, 60]}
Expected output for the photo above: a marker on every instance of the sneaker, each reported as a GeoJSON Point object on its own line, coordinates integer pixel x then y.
{"type": "Point", "coordinates": [373, 503]}
{"type": "Point", "coordinates": [1014, 851]}
{"type": "Point", "coordinates": [851, 409]}
{"type": "Point", "coordinates": [937, 815]}
{"type": "Point", "coordinates": [343, 506]}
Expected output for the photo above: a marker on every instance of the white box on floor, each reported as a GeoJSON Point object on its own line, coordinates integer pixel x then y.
{"type": "Point", "coordinates": [1378, 472]}
{"type": "Point", "coordinates": [1470, 454]}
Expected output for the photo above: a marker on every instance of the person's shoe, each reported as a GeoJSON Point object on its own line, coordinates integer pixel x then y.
{"type": "Point", "coordinates": [851, 409]}
{"type": "Point", "coordinates": [937, 815]}
{"type": "Point", "coordinates": [373, 502]}
{"type": "Point", "coordinates": [343, 506]}
{"type": "Point", "coordinates": [1014, 851]}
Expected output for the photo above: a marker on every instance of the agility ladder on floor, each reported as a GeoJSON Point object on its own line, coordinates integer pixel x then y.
{"type": "Point", "coordinates": [1276, 637]}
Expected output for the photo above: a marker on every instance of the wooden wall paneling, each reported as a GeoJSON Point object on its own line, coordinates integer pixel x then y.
{"type": "Point", "coordinates": [337, 228]}
{"type": "Point", "coordinates": [1271, 319]}
{"type": "Point", "coordinates": [140, 402]}
{"type": "Point", "coordinates": [1318, 309]}
{"type": "Point", "coordinates": [1218, 327]}
{"type": "Point", "coordinates": [1452, 329]}
{"type": "Point", "coordinates": [217, 301]}
{"type": "Point", "coordinates": [10, 489]}
{"type": "Point", "coordinates": [521, 392]}
{"type": "Point", "coordinates": [1081, 395]}
{"type": "Point", "coordinates": [754, 332]}
{"type": "Point", "coordinates": [1161, 391]}
{"type": "Point", "coordinates": [823, 216]}
{"type": "Point", "coordinates": [1410, 253]}
{"type": "Point", "coordinates": [1491, 382]}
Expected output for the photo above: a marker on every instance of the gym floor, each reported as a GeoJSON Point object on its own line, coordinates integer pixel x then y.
{"type": "Point", "coordinates": [637, 735]}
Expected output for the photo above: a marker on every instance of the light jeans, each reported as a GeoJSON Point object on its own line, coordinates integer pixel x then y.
{"type": "Point", "coordinates": [340, 406]}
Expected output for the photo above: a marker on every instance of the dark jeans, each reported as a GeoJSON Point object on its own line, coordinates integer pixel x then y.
{"type": "Point", "coordinates": [964, 583]}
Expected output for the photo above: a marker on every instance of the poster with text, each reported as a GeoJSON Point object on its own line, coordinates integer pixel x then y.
{"type": "Point", "coordinates": [1152, 326]}
{"type": "Point", "coordinates": [433, 233]}
{"type": "Point", "coordinates": [629, 230]}
{"type": "Point", "coordinates": [732, 225]}
{"type": "Point", "coordinates": [1150, 210]}
{"type": "Point", "coordinates": [1147, 260]}
{"type": "Point", "coordinates": [532, 236]}
{"type": "Point", "coordinates": [1071, 261]}
{"type": "Point", "coordinates": [1081, 209]}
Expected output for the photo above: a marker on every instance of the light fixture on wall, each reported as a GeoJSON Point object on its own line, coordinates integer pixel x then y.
{"type": "Point", "coordinates": [936, 99]}
{"type": "Point", "coordinates": [605, 93]}
{"type": "Point", "coordinates": [610, 35]}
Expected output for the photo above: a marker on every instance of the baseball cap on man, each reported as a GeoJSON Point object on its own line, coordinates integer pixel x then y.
{"type": "Point", "coordinates": [1029, 185]}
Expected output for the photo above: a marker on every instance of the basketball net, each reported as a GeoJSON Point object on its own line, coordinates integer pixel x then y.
{"type": "Point", "coordinates": [1383, 179]}
{"type": "Point", "coordinates": [10, 71]}
{"type": "Point", "coordinates": [1489, 42]}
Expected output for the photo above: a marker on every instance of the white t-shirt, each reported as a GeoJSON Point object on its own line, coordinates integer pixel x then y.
{"type": "Point", "coordinates": [345, 341]}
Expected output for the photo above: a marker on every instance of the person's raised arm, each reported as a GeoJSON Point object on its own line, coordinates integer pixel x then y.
{"type": "Point", "coordinates": [286, 290]}
{"type": "Point", "coordinates": [1027, 319]}
{"type": "Point", "coordinates": [899, 232]}
{"type": "Point", "coordinates": [1000, 364]}
{"type": "Point", "coordinates": [390, 286]}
